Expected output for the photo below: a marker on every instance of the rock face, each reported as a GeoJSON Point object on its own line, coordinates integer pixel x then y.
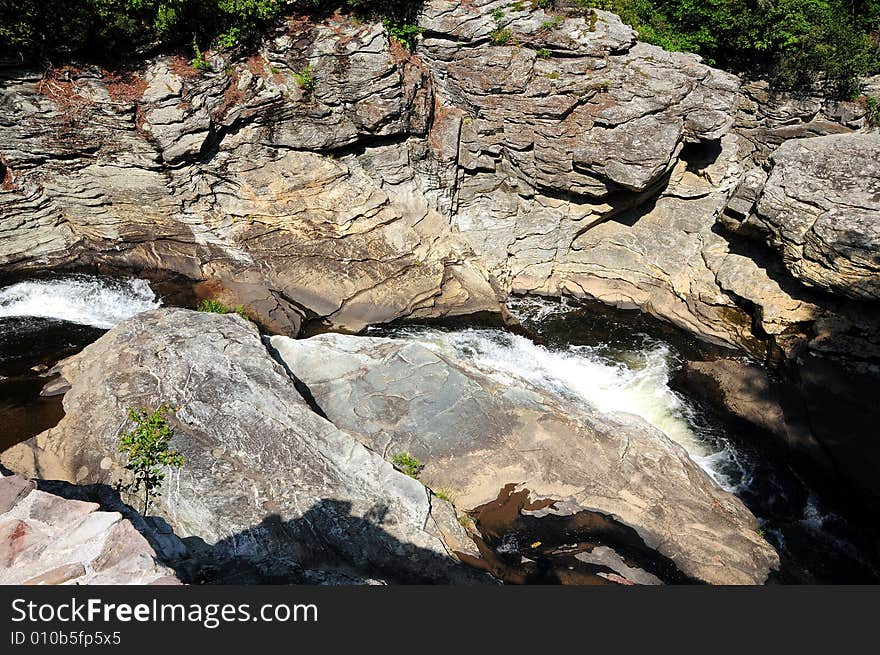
{"type": "Point", "coordinates": [266, 480]}
{"type": "Point", "coordinates": [49, 540]}
{"type": "Point", "coordinates": [215, 178]}
{"type": "Point", "coordinates": [539, 151]}
{"type": "Point", "coordinates": [821, 209]}
{"type": "Point", "coordinates": [476, 434]}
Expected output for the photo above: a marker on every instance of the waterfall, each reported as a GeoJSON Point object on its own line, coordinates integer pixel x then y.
{"type": "Point", "coordinates": [100, 302]}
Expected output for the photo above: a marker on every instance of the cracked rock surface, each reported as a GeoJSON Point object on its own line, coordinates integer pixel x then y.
{"type": "Point", "coordinates": [48, 540]}
{"type": "Point", "coordinates": [266, 480]}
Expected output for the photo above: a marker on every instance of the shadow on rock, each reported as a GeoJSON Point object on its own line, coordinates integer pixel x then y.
{"type": "Point", "coordinates": [303, 550]}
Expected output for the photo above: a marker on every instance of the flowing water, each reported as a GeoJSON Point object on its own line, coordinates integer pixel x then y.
{"type": "Point", "coordinates": [614, 361]}
{"type": "Point", "coordinates": [99, 302]}
{"type": "Point", "coordinates": [608, 360]}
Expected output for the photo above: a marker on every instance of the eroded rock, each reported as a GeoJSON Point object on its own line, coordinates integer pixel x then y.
{"type": "Point", "coordinates": [476, 434]}
{"type": "Point", "coordinates": [49, 540]}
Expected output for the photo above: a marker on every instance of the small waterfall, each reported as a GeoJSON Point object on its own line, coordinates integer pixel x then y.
{"type": "Point", "coordinates": [637, 384]}
{"type": "Point", "coordinates": [99, 302]}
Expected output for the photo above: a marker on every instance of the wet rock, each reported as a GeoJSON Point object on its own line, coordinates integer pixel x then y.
{"type": "Point", "coordinates": [477, 434]}
{"type": "Point", "coordinates": [266, 482]}
{"type": "Point", "coordinates": [49, 540]}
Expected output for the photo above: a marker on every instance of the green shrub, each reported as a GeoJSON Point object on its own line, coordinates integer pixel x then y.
{"type": "Point", "coordinates": [198, 61]}
{"type": "Point", "coordinates": [872, 111]}
{"type": "Point", "coordinates": [147, 448]}
{"type": "Point", "coordinates": [217, 307]}
{"type": "Point", "coordinates": [553, 23]}
{"type": "Point", "coordinates": [404, 33]}
{"type": "Point", "coordinates": [444, 495]}
{"type": "Point", "coordinates": [214, 307]}
{"type": "Point", "coordinates": [501, 36]}
{"type": "Point", "coordinates": [408, 464]}
{"type": "Point", "coordinates": [796, 44]}
{"type": "Point", "coordinates": [543, 53]}
{"type": "Point", "coordinates": [305, 78]}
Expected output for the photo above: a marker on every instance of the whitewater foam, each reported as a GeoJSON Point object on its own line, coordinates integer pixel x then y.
{"type": "Point", "coordinates": [638, 383]}
{"type": "Point", "coordinates": [100, 302]}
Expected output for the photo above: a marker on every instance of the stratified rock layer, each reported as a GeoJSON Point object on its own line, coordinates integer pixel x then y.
{"type": "Point", "coordinates": [821, 209]}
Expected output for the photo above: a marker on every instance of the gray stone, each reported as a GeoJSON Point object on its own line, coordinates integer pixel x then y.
{"type": "Point", "coordinates": [265, 480]}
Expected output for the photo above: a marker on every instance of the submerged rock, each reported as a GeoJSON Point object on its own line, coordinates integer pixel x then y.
{"type": "Point", "coordinates": [47, 540]}
{"type": "Point", "coordinates": [477, 433]}
{"type": "Point", "coordinates": [266, 480]}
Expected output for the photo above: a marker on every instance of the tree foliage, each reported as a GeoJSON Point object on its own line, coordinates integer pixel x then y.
{"type": "Point", "coordinates": [797, 44]}
{"type": "Point", "coordinates": [110, 28]}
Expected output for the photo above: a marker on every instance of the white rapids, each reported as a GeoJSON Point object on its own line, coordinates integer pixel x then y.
{"type": "Point", "coordinates": [637, 383]}
{"type": "Point", "coordinates": [83, 299]}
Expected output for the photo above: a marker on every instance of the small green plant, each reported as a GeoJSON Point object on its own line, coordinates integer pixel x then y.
{"type": "Point", "coordinates": [403, 33]}
{"type": "Point", "coordinates": [445, 495]}
{"type": "Point", "coordinates": [408, 464]}
{"type": "Point", "coordinates": [497, 15]}
{"type": "Point", "coordinates": [544, 4]}
{"type": "Point", "coordinates": [553, 23]}
{"type": "Point", "coordinates": [147, 447]}
{"type": "Point", "coordinates": [305, 78]}
{"type": "Point", "coordinates": [518, 5]}
{"type": "Point", "coordinates": [198, 61]}
{"type": "Point", "coordinates": [212, 306]}
{"type": "Point", "coordinates": [543, 53]}
{"type": "Point", "coordinates": [501, 36]}
{"type": "Point", "coordinates": [872, 111]}
{"type": "Point", "coordinates": [553, 75]}
{"type": "Point", "coordinates": [230, 38]}
{"type": "Point", "coordinates": [762, 534]}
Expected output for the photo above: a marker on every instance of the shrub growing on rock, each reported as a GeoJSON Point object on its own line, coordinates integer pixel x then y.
{"type": "Point", "coordinates": [408, 464]}
{"type": "Point", "coordinates": [147, 447]}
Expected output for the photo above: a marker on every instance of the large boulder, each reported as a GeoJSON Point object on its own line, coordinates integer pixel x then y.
{"type": "Point", "coordinates": [821, 210]}
{"type": "Point", "coordinates": [46, 540]}
{"type": "Point", "coordinates": [266, 480]}
{"type": "Point", "coordinates": [477, 433]}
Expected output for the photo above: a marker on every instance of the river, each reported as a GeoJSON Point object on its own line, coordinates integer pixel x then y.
{"type": "Point", "coordinates": [608, 360]}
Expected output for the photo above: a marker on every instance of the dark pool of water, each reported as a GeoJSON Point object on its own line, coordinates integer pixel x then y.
{"type": "Point", "coordinates": [29, 347]}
